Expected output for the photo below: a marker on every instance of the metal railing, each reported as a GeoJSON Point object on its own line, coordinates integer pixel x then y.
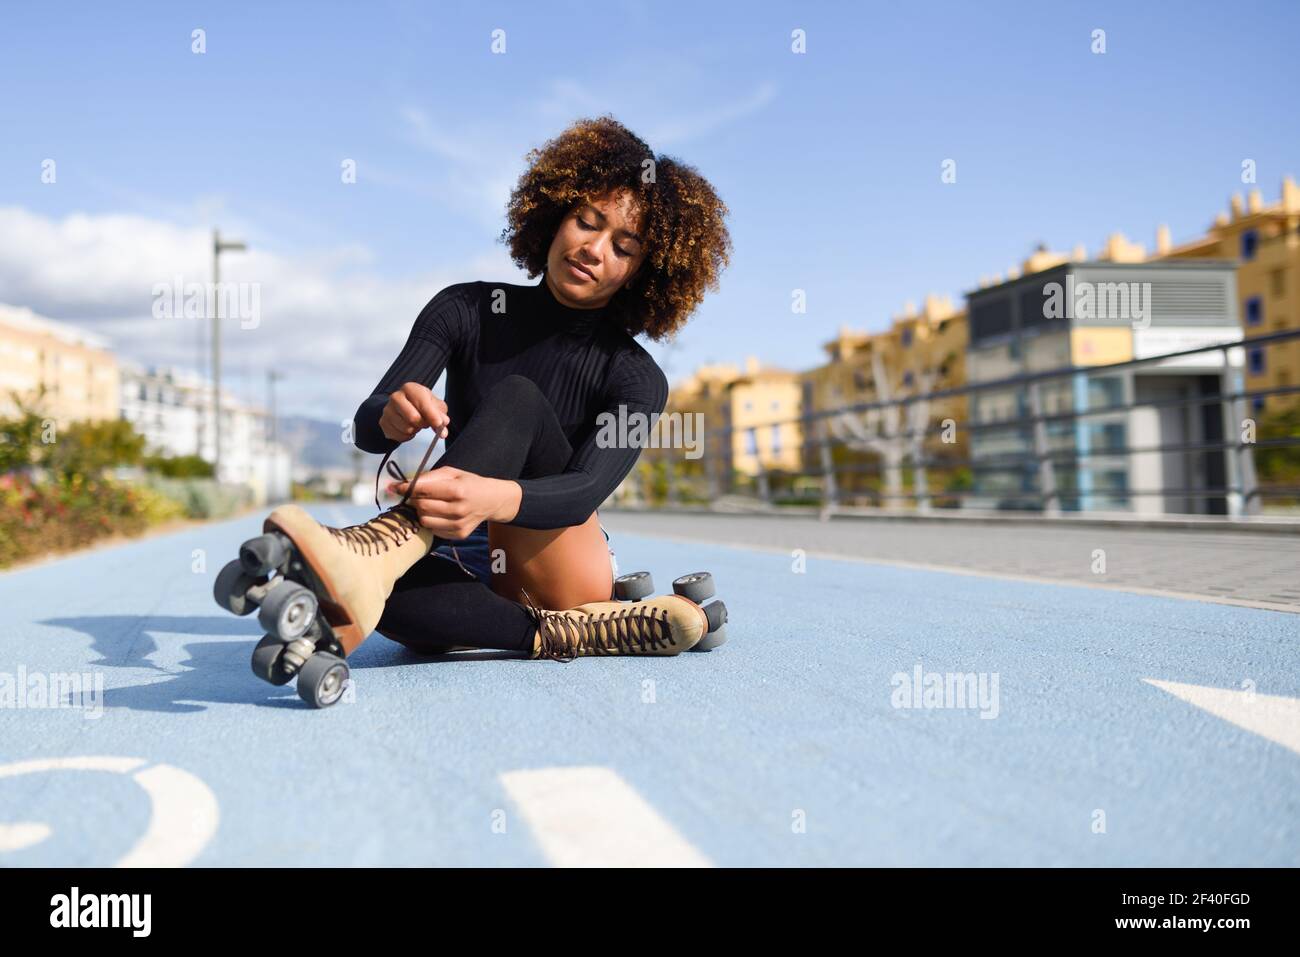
{"type": "Point", "coordinates": [1055, 461]}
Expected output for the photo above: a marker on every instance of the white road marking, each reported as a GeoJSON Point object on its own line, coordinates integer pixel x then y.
{"type": "Point", "coordinates": [591, 817]}
{"type": "Point", "coordinates": [39, 765]}
{"type": "Point", "coordinates": [15, 837]}
{"type": "Point", "coordinates": [183, 812]}
{"type": "Point", "coordinates": [184, 818]}
{"type": "Point", "coordinates": [1271, 716]}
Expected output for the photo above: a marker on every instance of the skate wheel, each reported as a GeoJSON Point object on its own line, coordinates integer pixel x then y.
{"type": "Point", "coordinates": [711, 640]}
{"type": "Point", "coordinates": [267, 662]}
{"type": "Point", "coordinates": [716, 612]}
{"type": "Point", "coordinates": [231, 589]}
{"type": "Point", "coordinates": [288, 610]}
{"type": "Point", "coordinates": [633, 586]}
{"type": "Point", "coordinates": [321, 680]}
{"type": "Point", "coordinates": [264, 553]}
{"type": "Point", "coordinates": [697, 586]}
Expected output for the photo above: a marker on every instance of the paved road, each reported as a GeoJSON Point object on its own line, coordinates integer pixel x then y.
{"type": "Point", "coordinates": [1256, 568]}
{"type": "Point", "coordinates": [1112, 728]}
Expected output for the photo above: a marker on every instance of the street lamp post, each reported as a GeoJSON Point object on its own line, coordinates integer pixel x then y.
{"type": "Point", "coordinates": [272, 377]}
{"type": "Point", "coordinates": [218, 247]}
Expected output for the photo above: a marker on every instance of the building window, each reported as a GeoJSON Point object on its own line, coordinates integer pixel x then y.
{"type": "Point", "coordinates": [1255, 360]}
{"type": "Point", "coordinates": [907, 336]}
{"type": "Point", "coordinates": [1254, 310]}
{"type": "Point", "coordinates": [1105, 392]}
{"type": "Point", "coordinates": [1257, 403]}
{"type": "Point", "coordinates": [907, 377]}
{"type": "Point", "coordinates": [751, 442]}
{"type": "Point", "coordinates": [1277, 279]}
{"type": "Point", "coordinates": [1249, 243]}
{"type": "Point", "coordinates": [776, 440]}
{"type": "Point", "coordinates": [775, 405]}
{"type": "Point", "coordinates": [749, 406]}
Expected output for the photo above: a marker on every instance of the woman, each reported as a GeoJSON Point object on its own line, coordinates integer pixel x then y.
{"type": "Point", "coordinates": [627, 244]}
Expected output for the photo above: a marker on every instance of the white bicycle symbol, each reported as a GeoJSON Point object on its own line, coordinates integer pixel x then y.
{"type": "Point", "coordinates": [182, 818]}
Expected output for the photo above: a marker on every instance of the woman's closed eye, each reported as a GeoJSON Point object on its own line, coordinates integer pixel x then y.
{"type": "Point", "coordinates": [585, 225]}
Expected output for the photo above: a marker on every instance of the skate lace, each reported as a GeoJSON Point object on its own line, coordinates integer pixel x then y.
{"type": "Point", "coordinates": [391, 528]}
{"type": "Point", "coordinates": [565, 634]}
{"type": "Point", "coordinates": [394, 525]}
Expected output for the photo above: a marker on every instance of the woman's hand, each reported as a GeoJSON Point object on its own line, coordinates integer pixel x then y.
{"type": "Point", "coordinates": [454, 502]}
{"type": "Point", "coordinates": [412, 408]}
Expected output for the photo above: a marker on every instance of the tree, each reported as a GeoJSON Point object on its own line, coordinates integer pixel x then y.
{"type": "Point", "coordinates": [890, 432]}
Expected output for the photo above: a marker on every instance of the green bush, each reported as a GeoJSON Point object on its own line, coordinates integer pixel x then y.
{"type": "Point", "coordinates": [65, 513]}
{"type": "Point", "coordinates": [180, 466]}
{"type": "Point", "coordinates": [199, 497]}
{"type": "Point", "coordinates": [88, 448]}
{"type": "Point", "coordinates": [31, 439]}
{"type": "Point", "coordinates": [1279, 465]}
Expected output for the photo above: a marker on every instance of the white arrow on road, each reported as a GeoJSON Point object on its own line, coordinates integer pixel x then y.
{"type": "Point", "coordinates": [1271, 716]}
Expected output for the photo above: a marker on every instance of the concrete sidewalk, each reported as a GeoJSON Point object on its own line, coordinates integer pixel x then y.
{"type": "Point", "coordinates": [1259, 570]}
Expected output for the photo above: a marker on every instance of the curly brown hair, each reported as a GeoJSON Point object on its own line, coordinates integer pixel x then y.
{"type": "Point", "coordinates": [687, 243]}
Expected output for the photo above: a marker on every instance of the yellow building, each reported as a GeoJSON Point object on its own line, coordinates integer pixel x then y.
{"type": "Point", "coordinates": [79, 374]}
{"type": "Point", "coordinates": [925, 347]}
{"type": "Point", "coordinates": [763, 408]}
{"type": "Point", "coordinates": [758, 404]}
{"type": "Point", "coordinates": [1264, 241]}
{"type": "Point", "coordinates": [922, 351]}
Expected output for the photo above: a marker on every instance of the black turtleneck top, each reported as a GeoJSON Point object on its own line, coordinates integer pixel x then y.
{"type": "Point", "coordinates": [585, 364]}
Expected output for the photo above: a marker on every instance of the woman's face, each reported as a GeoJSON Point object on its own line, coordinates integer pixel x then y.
{"type": "Point", "coordinates": [595, 251]}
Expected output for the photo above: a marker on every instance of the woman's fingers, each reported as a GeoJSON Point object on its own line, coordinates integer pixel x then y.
{"type": "Point", "coordinates": [395, 426]}
{"type": "Point", "coordinates": [404, 410]}
{"type": "Point", "coordinates": [410, 409]}
{"type": "Point", "coordinates": [430, 409]}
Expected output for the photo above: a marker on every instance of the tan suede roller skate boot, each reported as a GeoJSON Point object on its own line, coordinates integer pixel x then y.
{"type": "Point", "coordinates": [667, 625]}
{"type": "Point", "coordinates": [318, 591]}
{"type": "Point", "coordinates": [357, 566]}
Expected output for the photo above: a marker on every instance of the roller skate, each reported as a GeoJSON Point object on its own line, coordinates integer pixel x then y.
{"type": "Point", "coordinates": [319, 591]}
{"type": "Point", "coordinates": [698, 587]}
{"type": "Point", "coordinates": [662, 626]}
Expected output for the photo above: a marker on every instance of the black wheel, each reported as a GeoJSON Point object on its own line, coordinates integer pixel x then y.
{"type": "Point", "coordinates": [697, 586]}
{"type": "Point", "coordinates": [288, 610]}
{"type": "Point", "coordinates": [231, 589]}
{"type": "Point", "coordinates": [711, 640]}
{"type": "Point", "coordinates": [716, 612]}
{"type": "Point", "coordinates": [264, 553]}
{"type": "Point", "coordinates": [321, 680]}
{"type": "Point", "coordinates": [267, 662]}
{"type": "Point", "coordinates": [634, 586]}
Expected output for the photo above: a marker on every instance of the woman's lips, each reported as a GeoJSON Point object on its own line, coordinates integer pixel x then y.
{"type": "Point", "coordinates": [573, 268]}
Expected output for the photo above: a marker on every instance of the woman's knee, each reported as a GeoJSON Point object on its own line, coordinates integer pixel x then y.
{"type": "Point", "coordinates": [516, 392]}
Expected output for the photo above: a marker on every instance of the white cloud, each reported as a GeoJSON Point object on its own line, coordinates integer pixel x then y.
{"type": "Point", "coordinates": [328, 321]}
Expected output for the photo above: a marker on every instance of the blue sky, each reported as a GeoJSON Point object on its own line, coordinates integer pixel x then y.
{"type": "Point", "coordinates": [829, 161]}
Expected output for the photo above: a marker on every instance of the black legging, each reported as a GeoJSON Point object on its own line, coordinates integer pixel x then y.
{"type": "Point", "coordinates": [514, 433]}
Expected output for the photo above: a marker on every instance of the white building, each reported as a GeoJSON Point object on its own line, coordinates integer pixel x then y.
{"type": "Point", "coordinates": [172, 409]}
